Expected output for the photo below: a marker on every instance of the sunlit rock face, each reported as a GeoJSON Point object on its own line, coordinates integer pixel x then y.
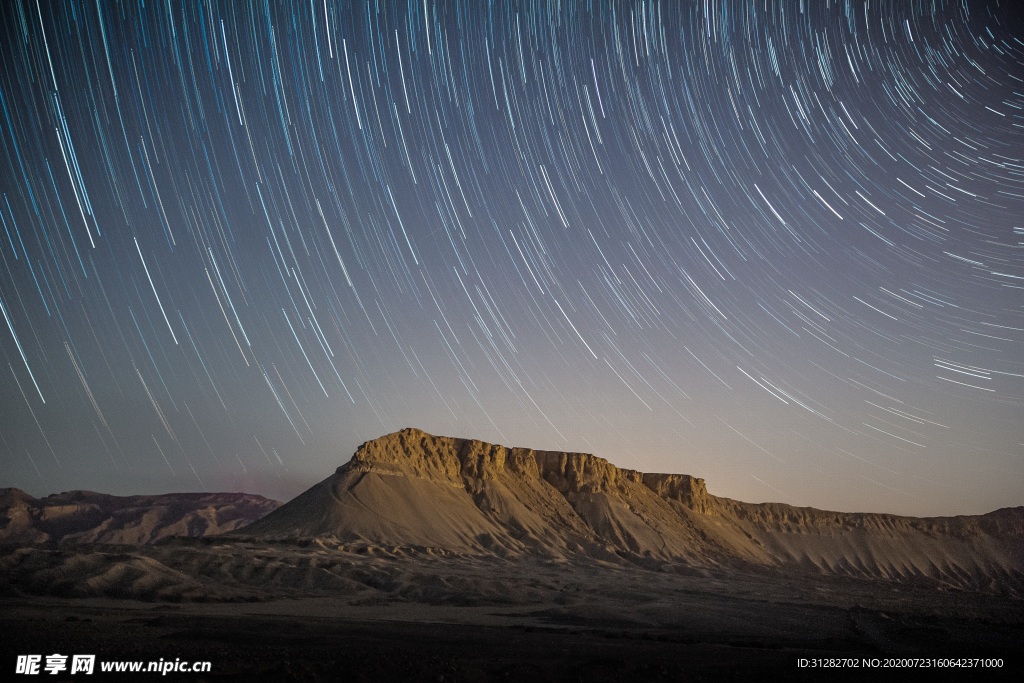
{"type": "Point", "coordinates": [414, 490]}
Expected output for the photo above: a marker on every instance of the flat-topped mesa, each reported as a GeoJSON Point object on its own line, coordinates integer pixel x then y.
{"type": "Point", "coordinates": [424, 493]}
{"type": "Point", "coordinates": [413, 452]}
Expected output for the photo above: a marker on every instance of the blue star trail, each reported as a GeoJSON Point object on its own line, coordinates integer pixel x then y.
{"type": "Point", "coordinates": [777, 245]}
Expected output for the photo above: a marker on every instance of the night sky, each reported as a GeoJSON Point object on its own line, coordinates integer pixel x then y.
{"type": "Point", "coordinates": [774, 244]}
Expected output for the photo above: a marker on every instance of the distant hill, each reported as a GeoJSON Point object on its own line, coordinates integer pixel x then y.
{"type": "Point", "coordinates": [89, 517]}
{"type": "Point", "coordinates": [459, 496]}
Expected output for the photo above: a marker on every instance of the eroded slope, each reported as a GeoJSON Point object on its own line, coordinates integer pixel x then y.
{"type": "Point", "coordinates": [411, 489]}
{"type": "Point", "coordinates": [89, 517]}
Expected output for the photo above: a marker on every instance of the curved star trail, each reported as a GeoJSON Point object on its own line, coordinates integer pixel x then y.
{"type": "Point", "coordinates": [773, 244]}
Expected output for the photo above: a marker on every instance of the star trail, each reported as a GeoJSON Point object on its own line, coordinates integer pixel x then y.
{"type": "Point", "coordinates": [777, 245]}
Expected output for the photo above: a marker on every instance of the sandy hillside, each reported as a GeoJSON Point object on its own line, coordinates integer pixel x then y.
{"type": "Point", "coordinates": [417, 491]}
{"type": "Point", "coordinates": [416, 518]}
{"type": "Point", "coordinates": [88, 517]}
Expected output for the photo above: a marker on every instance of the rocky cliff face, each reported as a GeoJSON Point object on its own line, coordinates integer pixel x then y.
{"type": "Point", "coordinates": [89, 517]}
{"type": "Point", "coordinates": [431, 493]}
{"type": "Point", "coordinates": [689, 491]}
{"type": "Point", "coordinates": [460, 462]}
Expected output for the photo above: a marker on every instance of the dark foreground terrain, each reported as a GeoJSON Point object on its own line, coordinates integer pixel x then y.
{"type": "Point", "coordinates": [433, 618]}
{"type": "Point", "coordinates": [242, 647]}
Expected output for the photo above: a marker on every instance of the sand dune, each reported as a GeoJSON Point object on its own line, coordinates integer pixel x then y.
{"type": "Point", "coordinates": [88, 517]}
{"type": "Point", "coordinates": [414, 490]}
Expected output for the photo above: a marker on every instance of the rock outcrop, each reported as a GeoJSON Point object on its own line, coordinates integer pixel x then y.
{"type": "Point", "coordinates": [89, 517]}
{"type": "Point", "coordinates": [414, 490]}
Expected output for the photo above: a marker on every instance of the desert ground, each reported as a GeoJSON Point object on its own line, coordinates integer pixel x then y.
{"type": "Point", "coordinates": [433, 559]}
{"type": "Point", "coordinates": [394, 616]}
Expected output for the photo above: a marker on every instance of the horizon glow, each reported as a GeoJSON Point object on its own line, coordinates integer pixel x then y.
{"type": "Point", "coordinates": [774, 246]}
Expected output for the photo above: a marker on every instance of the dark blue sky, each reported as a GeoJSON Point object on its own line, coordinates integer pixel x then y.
{"type": "Point", "coordinates": [773, 244]}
